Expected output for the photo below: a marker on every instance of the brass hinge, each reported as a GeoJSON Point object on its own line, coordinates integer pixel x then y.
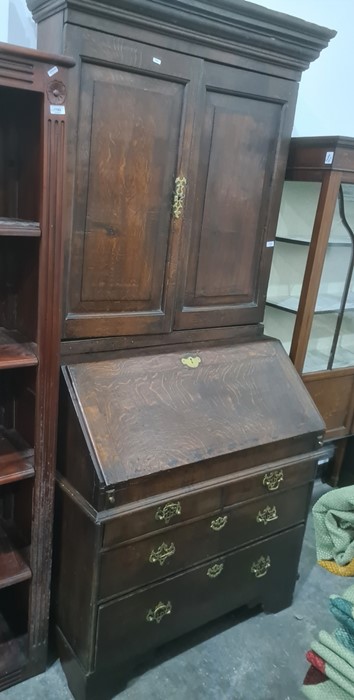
{"type": "Point", "coordinates": [180, 193]}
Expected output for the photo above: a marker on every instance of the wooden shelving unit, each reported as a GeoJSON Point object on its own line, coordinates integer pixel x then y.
{"type": "Point", "coordinates": [13, 567]}
{"type": "Point", "coordinates": [310, 302]}
{"type": "Point", "coordinates": [31, 183]}
{"type": "Point", "coordinates": [15, 352]}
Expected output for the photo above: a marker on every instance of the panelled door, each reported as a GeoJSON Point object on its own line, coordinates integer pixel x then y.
{"type": "Point", "coordinates": [244, 122]}
{"type": "Point", "coordinates": [135, 108]}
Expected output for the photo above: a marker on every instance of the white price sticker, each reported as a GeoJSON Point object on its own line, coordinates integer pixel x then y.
{"type": "Point", "coordinates": [157, 60]}
{"type": "Point", "coordinates": [52, 71]}
{"type": "Point", "coordinates": [329, 158]}
{"type": "Point", "coordinates": [270, 244]}
{"type": "Point", "coordinates": [57, 109]}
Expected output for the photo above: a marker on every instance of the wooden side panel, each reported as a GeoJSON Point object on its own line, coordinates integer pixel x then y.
{"type": "Point", "coordinates": [228, 263]}
{"type": "Point", "coordinates": [133, 130]}
{"type": "Point", "coordinates": [333, 394]}
{"type": "Point", "coordinates": [133, 133]}
{"type": "Point", "coordinates": [74, 574]}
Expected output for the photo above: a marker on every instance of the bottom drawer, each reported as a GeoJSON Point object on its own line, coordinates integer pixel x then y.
{"type": "Point", "coordinates": [136, 623]}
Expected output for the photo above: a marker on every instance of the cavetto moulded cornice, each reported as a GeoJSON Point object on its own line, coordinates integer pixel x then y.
{"type": "Point", "coordinates": [235, 24]}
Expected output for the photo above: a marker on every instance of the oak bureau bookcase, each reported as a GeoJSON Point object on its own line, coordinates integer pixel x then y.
{"type": "Point", "coordinates": [32, 164]}
{"type": "Point", "coordinates": [187, 442]}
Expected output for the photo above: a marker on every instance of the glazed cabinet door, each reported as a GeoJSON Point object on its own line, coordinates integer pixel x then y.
{"type": "Point", "coordinates": [245, 121]}
{"type": "Point", "coordinates": [134, 110]}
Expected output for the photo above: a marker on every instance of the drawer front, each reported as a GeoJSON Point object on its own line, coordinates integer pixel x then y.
{"type": "Point", "coordinates": [182, 506]}
{"type": "Point", "coordinates": [153, 558]}
{"type": "Point", "coordinates": [146, 619]}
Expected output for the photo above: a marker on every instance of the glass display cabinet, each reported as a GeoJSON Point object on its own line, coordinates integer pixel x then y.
{"type": "Point", "coordinates": [310, 299]}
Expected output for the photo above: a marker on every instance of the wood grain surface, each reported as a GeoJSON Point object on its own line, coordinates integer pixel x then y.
{"type": "Point", "coordinates": [147, 414]}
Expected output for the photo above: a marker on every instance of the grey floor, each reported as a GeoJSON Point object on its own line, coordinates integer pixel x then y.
{"type": "Point", "coordinates": [258, 658]}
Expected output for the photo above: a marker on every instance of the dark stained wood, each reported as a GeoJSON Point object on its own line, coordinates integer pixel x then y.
{"type": "Point", "coordinates": [13, 568]}
{"type": "Point", "coordinates": [309, 155]}
{"type": "Point", "coordinates": [130, 521]}
{"type": "Point", "coordinates": [122, 240]}
{"type": "Point", "coordinates": [332, 393]}
{"type": "Point", "coordinates": [195, 598]}
{"type": "Point", "coordinates": [238, 171]}
{"type": "Point", "coordinates": [163, 91]}
{"type": "Point", "coordinates": [32, 166]}
{"type": "Point", "coordinates": [138, 563]}
{"type": "Point", "coordinates": [138, 411]}
{"type": "Point", "coordinates": [14, 352]}
{"type": "Point", "coordinates": [16, 458]}
{"type": "Point", "coordinates": [229, 24]}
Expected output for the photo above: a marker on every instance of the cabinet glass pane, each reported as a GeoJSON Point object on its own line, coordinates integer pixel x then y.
{"type": "Point", "coordinates": [294, 230]}
{"type": "Point", "coordinates": [331, 339]}
{"type": "Point", "coordinates": [279, 324]}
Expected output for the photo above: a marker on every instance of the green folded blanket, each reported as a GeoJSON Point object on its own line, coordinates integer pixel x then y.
{"type": "Point", "coordinates": [342, 607]}
{"type": "Point", "coordinates": [317, 686]}
{"type": "Point", "coordinates": [338, 661]}
{"type": "Point", "coordinates": [333, 516]}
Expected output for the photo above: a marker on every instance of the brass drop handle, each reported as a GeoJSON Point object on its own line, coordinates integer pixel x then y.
{"type": "Point", "coordinates": [219, 523]}
{"type": "Point", "coordinates": [169, 511]}
{"type": "Point", "coordinates": [272, 480]}
{"type": "Point", "coordinates": [267, 515]}
{"type": "Point", "coordinates": [260, 568]}
{"type": "Point", "coordinates": [160, 555]}
{"type": "Point", "coordinates": [160, 611]}
{"type": "Point", "coordinates": [215, 570]}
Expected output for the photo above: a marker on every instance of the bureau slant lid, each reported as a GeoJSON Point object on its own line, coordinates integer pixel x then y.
{"type": "Point", "coordinates": [142, 415]}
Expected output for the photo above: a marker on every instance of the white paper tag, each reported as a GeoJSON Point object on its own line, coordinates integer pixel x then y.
{"type": "Point", "coordinates": [52, 71]}
{"type": "Point", "coordinates": [270, 244]}
{"type": "Point", "coordinates": [57, 109]}
{"type": "Point", "coordinates": [323, 461]}
{"type": "Point", "coordinates": [329, 158]}
{"type": "Point", "coordinates": [157, 60]}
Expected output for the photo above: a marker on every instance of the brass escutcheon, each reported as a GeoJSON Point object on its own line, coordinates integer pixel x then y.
{"type": "Point", "coordinates": [272, 480]}
{"type": "Point", "coordinates": [215, 570]}
{"type": "Point", "coordinates": [169, 511]}
{"type": "Point", "coordinates": [267, 515]}
{"type": "Point", "coordinates": [179, 196]}
{"type": "Point", "coordinates": [160, 611]}
{"type": "Point", "coordinates": [219, 523]}
{"type": "Point", "coordinates": [191, 362]}
{"type": "Point", "coordinates": [259, 568]}
{"type": "Point", "coordinates": [160, 555]}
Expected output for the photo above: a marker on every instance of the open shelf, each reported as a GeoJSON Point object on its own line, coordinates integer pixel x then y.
{"type": "Point", "coordinates": [14, 352]}
{"type": "Point", "coordinates": [16, 458]}
{"type": "Point", "coordinates": [19, 227]}
{"type": "Point", "coordinates": [302, 241]}
{"type": "Point", "coordinates": [326, 303]}
{"type": "Point", "coordinates": [13, 568]}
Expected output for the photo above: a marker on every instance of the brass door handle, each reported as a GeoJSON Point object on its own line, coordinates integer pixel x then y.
{"type": "Point", "coordinates": [272, 480]}
{"type": "Point", "coordinates": [160, 555]}
{"type": "Point", "coordinates": [160, 611]}
{"type": "Point", "coordinates": [260, 568]}
{"type": "Point", "coordinates": [219, 523]}
{"type": "Point", "coordinates": [215, 570]}
{"type": "Point", "coordinates": [267, 515]}
{"type": "Point", "coordinates": [169, 511]}
{"type": "Point", "coordinates": [179, 196]}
